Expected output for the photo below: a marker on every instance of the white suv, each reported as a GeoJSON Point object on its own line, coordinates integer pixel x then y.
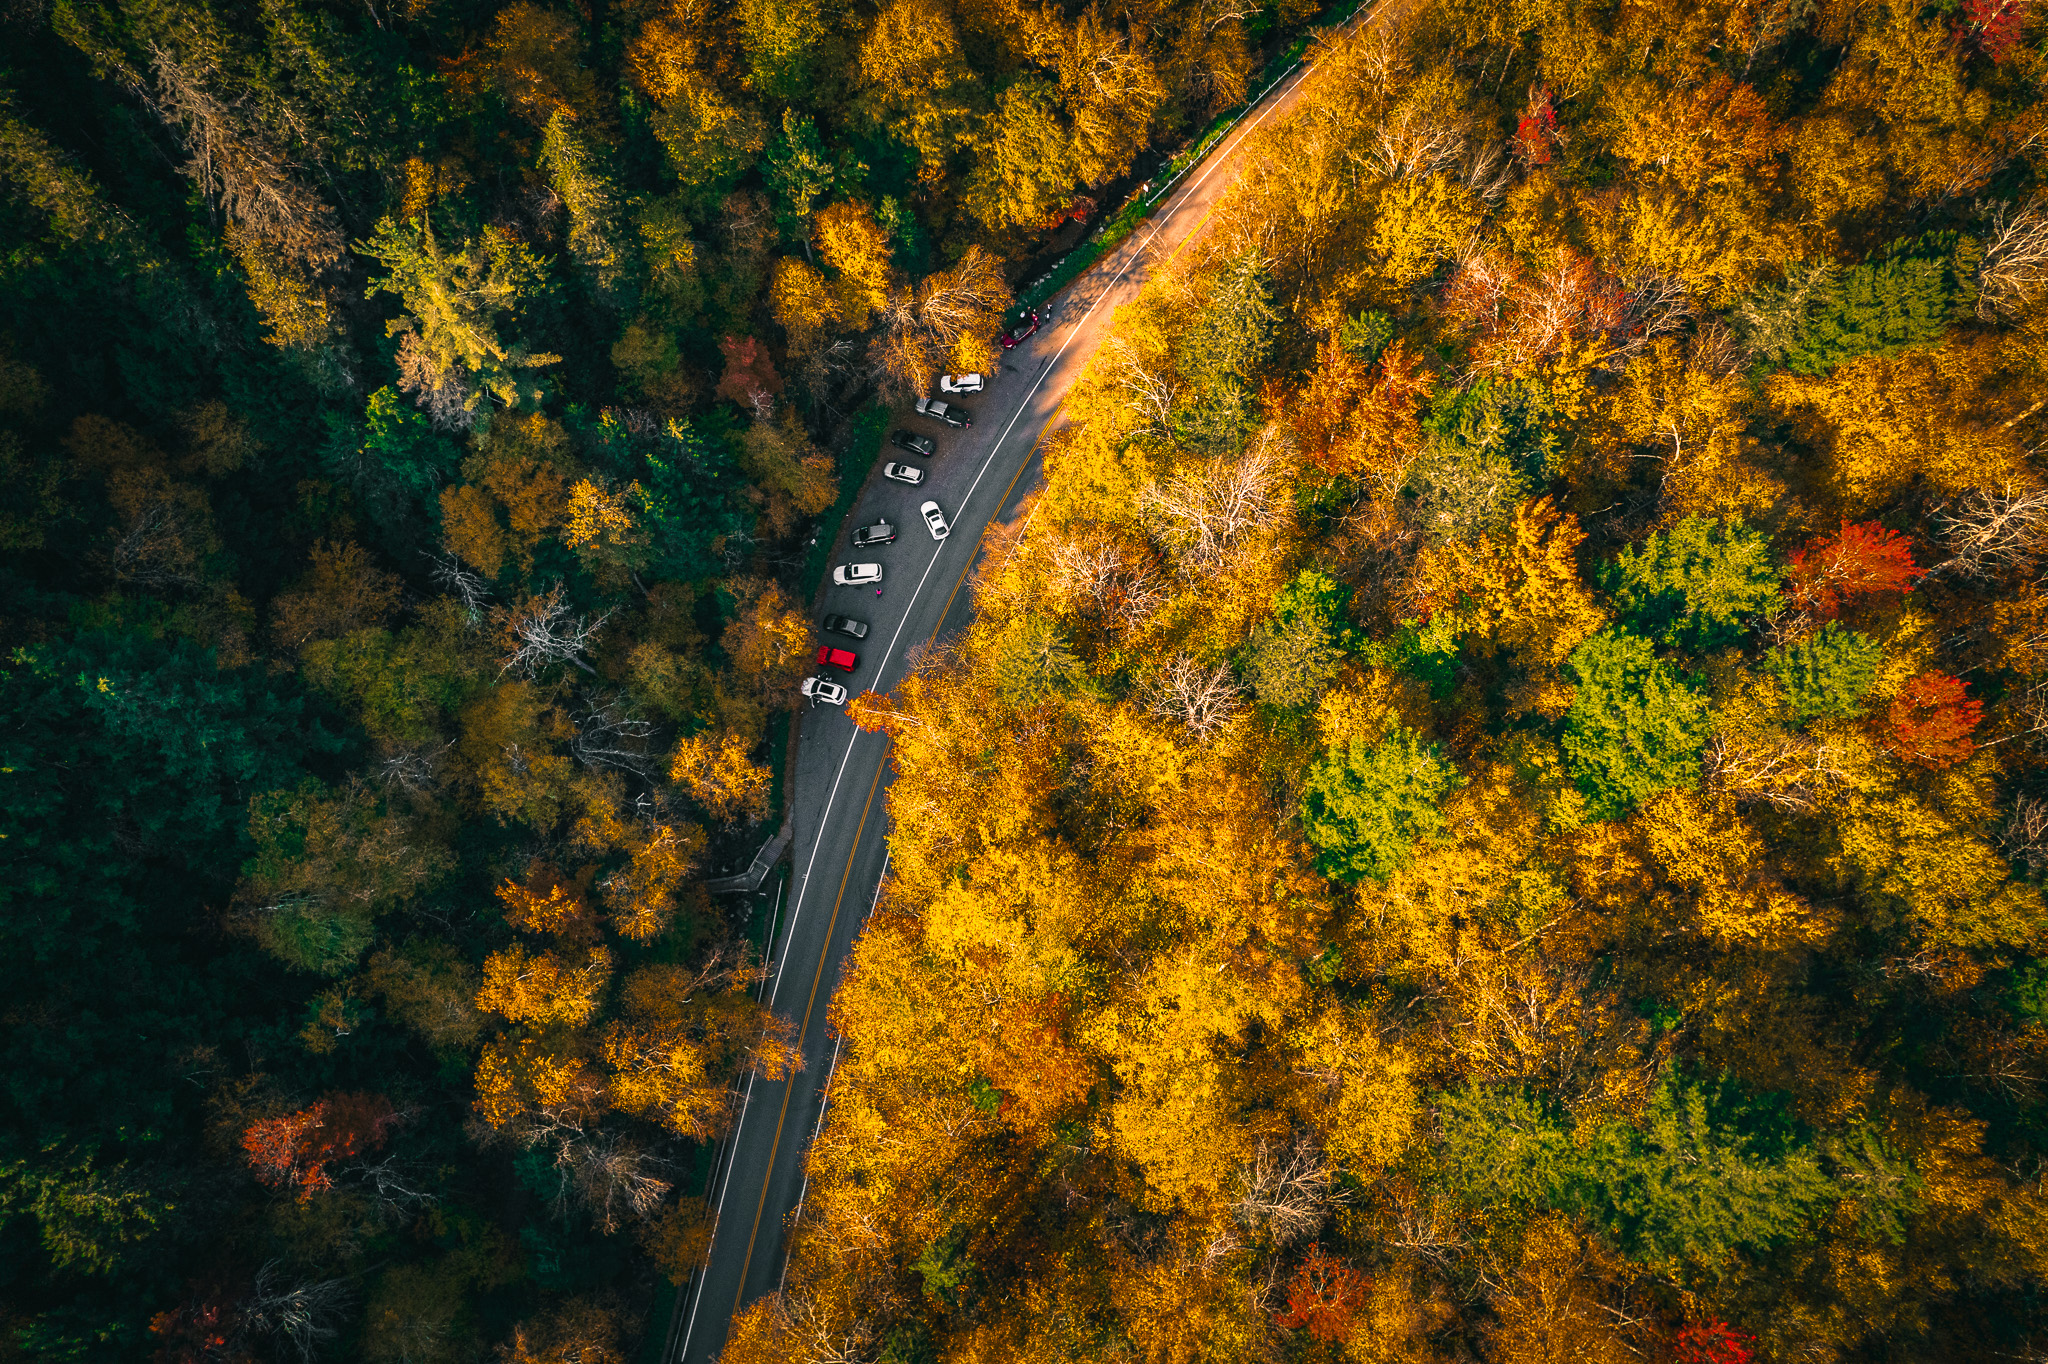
{"type": "Point", "coordinates": [823, 689]}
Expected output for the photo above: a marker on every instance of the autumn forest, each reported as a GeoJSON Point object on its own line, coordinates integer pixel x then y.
{"type": "Point", "coordinates": [1495, 808]}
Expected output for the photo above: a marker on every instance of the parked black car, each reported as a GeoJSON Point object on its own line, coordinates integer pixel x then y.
{"type": "Point", "coordinates": [848, 626]}
{"type": "Point", "coordinates": [881, 533]}
{"type": "Point", "coordinates": [914, 443]}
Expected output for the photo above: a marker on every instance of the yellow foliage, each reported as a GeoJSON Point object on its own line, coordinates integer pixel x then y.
{"type": "Point", "coordinates": [857, 250]}
{"type": "Point", "coordinates": [714, 770]}
{"type": "Point", "coordinates": [803, 304]}
{"type": "Point", "coordinates": [598, 513]}
{"type": "Point", "coordinates": [517, 1076]}
{"type": "Point", "coordinates": [1522, 590]}
{"type": "Point", "coordinates": [1879, 423]}
{"type": "Point", "coordinates": [541, 988]}
{"type": "Point", "coordinates": [1354, 1086]}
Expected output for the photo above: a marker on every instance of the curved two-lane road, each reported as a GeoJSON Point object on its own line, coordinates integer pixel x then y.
{"type": "Point", "coordinates": [979, 476]}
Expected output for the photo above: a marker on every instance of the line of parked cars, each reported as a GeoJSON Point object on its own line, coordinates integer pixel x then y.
{"type": "Point", "coordinates": [822, 689]}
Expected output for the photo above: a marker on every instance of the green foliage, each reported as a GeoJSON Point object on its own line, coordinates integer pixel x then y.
{"type": "Point", "coordinates": [1694, 587]}
{"type": "Point", "coordinates": [1826, 674]}
{"type": "Point", "coordinates": [1635, 727]}
{"type": "Point", "coordinates": [1293, 656]}
{"type": "Point", "coordinates": [1365, 334]}
{"type": "Point", "coordinates": [402, 446]}
{"type": "Point", "coordinates": [87, 1215]}
{"type": "Point", "coordinates": [687, 489]}
{"type": "Point", "coordinates": [1907, 297]}
{"type": "Point", "coordinates": [1427, 650]}
{"type": "Point", "coordinates": [1709, 1170]}
{"type": "Point", "coordinates": [1506, 1146]}
{"type": "Point", "coordinates": [800, 171]}
{"type": "Point", "coordinates": [1484, 448]}
{"type": "Point", "coordinates": [402, 687]}
{"type": "Point", "coordinates": [1366, 806]}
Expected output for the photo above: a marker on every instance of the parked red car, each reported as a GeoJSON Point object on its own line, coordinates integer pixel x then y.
{"type": "Point", "coordinates": [837, 658]}
{"type": "Point", "coordinates": [1027, 326]}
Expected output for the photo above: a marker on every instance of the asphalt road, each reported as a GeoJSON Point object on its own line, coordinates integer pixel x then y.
{"type": "Point", "coordinates": [979, 476]}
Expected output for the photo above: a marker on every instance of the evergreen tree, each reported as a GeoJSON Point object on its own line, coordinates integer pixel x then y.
{"type": "Point", "coordinates": [1694, 587]}
{"type": "Point", "coordinates": [1366, 806]}
{"type": "Point", "coordinates": [1635, 726]}
{"type": "Point", "coordinates": [1826, 674]}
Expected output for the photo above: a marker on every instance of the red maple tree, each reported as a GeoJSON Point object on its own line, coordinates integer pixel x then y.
{"type": "Point", "coordinates": [295, 1151]}
{"type": "Point", "coordinates": [1931, 720]}
{"type": "Point", "coordinates": [1323, 1296]}
{"type": "Point", "coordinates": [1536, 130]}
{"type": "Point", "coordinates": [1862, 560]}
{"type": "Point", "coordinates": [1992, 27]}
{"type": "Point", "coordinates": [1713, 1342]}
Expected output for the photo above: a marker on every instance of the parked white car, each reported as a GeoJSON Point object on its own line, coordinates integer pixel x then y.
{"type": "Point", "coordinates": [935, 520]}
{"type": "Point", "coordinates": [857, 575]}
{"type": "Point", "coordinates": [960, 383]}
{"type": "Point", "coordinates": [821, 689]}
{"type": "Point", "coordinates": [903, 473]}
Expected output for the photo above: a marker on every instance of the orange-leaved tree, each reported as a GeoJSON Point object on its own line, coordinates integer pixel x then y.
{"type": "Point", "coordinates": [1931, 720]}
{"type": "Point", "coordinates": [1863, 560]}
{"type": "Point", "coordinates": [297, 1151]}
{"type": "Point", "coordinates": [1324, 1295]}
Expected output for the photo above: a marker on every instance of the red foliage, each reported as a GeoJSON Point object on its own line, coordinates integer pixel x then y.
{"type": "Point", "coordinates": [1078, 209]}
{"type": "Point", "coordinates": [1536, 130]}
{"type": "Point", "coordinates": [294, 1151]}
{"type": "Point", "coordinates": [1323, 1296]}
{"type": "Point", "coordinates": [1714, 1342]}
{"type": "Point", "coordinates": [750, 378]}
{"type": "Point", "coordinates": [1863, 560]}
{"type": "Point", "coordinates": [206, 1330]}
{"type": "Point", "coordinates": [1992, 26]}
{"type": "Point", "coordinates": [1932, 719]}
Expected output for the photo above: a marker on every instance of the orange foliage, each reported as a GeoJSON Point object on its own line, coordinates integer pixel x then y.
{"type": "Point", "coordinates": [545, 903]}
{"type": "Point", "coordinates": [1031, 1060]}
{"type": "Point", "coordinates": [1863, 560]}
{"type": "Point", "coordinates": [1354, 419]}
{"type": "Point", "coordinates": [295, 1151]}
{"type": "Point", "coordinates": [1323, 1296]}
{"type": "Point", "coordinates": [1931, 720]}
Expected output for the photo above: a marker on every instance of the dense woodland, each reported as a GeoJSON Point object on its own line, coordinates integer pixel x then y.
{"type": "Point", "coordinates": [1495, 806]}
{"type": "Point", "coordinates": [412, 417]}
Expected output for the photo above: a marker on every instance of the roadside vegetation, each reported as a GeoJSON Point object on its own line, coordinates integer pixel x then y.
{"type": "Point", "coordinates": [1495, 806]}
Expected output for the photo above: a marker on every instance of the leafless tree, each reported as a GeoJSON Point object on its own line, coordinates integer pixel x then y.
{"type": "Point", "coordinates": [415, 769]}
{"type": "Point", "coordinates": [1203, 514]}
{"type": "Point", "coordinates": [544, 630]}
{"type": "Point", "coordinates": [1795, 774]}
{"type": "Point", "coordinates": [159, 548]}
{"type": "Point", "coordinates": [301, 1317]}
{"type": "Point", "coordinates": [1203, 698]}
{"type": "Point", "coordinates": [606, 736]}
{"type": "Point", "coordinates": [241, 168]}
{"type": "Point", "coordinates": [1286, 1192]}
{"type": "Point", "coordinates": [922, 330]}
{"type": "Point", "coordinates": [459, 582]}
{"type": "Point", "coordinates": [1992, 533]}
{"type": "Point", "coordinates": [2024, 838]}
{"type": "Point", "coordinates": [2015, 259]}
{"type": "Point", "coordinates": [393, 1186]}
{"type": "Point", "coordinates": [1415, 142]}
{"type": "Point", "coordinates": [612, 1178]}
{"type": "Point", "coordinates": [1147, 388]}
{"type": "Point", "coordinates": [1114, 582]}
